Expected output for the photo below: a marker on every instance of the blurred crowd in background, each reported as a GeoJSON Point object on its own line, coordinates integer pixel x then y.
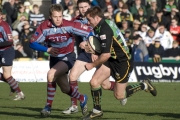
{"type": "Point", "coordinates": [150, 27]}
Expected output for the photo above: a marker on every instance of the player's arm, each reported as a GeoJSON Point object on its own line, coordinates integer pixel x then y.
{"type": "Point", "coordinates": [106, 42]}
{"type": "Point", "coordinates": [38, 37]}
{"type": "Point", "coordinates": [81, 29]}
{"type": "Point", "coordinates": [7, 36]}
{"type": "Point", "coordinates": [5, 44]}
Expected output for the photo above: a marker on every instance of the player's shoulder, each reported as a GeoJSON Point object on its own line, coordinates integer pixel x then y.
{"type": "Point", "coordinates": [4, 24]}
{"type": "Point", "coordinates": [46, 24]}
{"type": "Point", "coordinates": [106, 25]}
{"type": "Point", "coordinates": [67, 23]}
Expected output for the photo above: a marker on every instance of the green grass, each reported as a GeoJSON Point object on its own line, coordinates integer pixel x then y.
{"type": "Point", "coordinates": [141, 106]}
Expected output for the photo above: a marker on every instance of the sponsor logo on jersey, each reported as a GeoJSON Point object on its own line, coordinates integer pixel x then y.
{"type": "Point", "coordinates": [103, 37]}
{"type": "Point", "coordinates": [3, 60]}
{"type": "Point", "coordinates": [103, 44]}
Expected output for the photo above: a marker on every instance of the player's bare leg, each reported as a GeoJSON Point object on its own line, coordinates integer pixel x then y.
{"type": "Point", "coordinates": [108, 85]}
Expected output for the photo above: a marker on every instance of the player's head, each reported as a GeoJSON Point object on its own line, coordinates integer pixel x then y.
{"type": "Point", "coordinates": [83, 6]}
{"type": "Point", "coordinates": [55, 13]}
{"type": "Point", "coordinates": [94, 15]}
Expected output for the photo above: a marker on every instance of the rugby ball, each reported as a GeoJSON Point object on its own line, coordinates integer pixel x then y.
{"type": "Point", "coordinates": [95, 44]}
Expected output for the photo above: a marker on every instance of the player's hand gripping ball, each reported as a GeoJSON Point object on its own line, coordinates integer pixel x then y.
{"type": "Point", "coordinates": [93, 45]}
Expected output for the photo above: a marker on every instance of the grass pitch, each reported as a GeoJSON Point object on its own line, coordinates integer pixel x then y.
{"type": "Point", "coordinates": [141, 106]}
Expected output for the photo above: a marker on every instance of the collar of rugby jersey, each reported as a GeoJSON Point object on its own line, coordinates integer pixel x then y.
{"type": "Point", "coordinates": [98, 26]}
{"type": "Point", "coordinates": [81, 18]}
{"type": "Point", "coordinates": [51, 24]}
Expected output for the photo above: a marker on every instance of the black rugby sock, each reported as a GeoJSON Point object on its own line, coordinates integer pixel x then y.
{"type": "Point", "coordinates": [131, 89]}
{"type": "Point", "coordinates": [96, 95]}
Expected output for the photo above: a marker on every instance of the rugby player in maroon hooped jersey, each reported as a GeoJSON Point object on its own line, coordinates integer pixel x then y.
{"type": "Point", "coordinates": [57, 34]}
{"type": "Point", "coordinates": [7, 55]}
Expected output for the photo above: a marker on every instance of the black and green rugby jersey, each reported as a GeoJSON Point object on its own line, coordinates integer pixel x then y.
{"type": "Point", "coordinates": [112, 40]}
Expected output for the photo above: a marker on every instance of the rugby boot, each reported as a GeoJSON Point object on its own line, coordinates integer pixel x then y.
{"type": "Point", "coordinates": [150, 87]}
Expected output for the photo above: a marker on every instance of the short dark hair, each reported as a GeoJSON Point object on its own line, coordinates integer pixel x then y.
{"type": "Point", "coordinates": [55, 7]}
{"type": "Point", "coordinates": [81, 1]}
{"type": "Point", "coordinates": [94, 11]}
{"type": "Point", "coordinates": [35, 6]}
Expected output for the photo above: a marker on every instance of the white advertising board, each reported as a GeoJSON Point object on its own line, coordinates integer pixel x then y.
{"type": "Point", "coordinates": [36, 71]}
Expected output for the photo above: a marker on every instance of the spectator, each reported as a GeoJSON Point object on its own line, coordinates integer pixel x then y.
{"type": "Point", "coordinates": [144, 30]}
{"type": "Point", "coordinates": [152, 10]}
{"type": "Point", "coordinates": [136, 26]}
{"type": "Point", "coordinates": [25, 40]}
{"type": "Point", "coordinates": [109, 2]}
{"type": "Point", "coordinates": [139, 50]}
{"type": "Point", "coordinates": [169, 6]}
{"type": "Point", "coordinates": [141, 17]}
{"type": "Point", "coordinates": [119, 7]}
{"type": "Point", "coordinates": [154, 23]}
{"type": "Point", "coordinates": [102, 4]}
{"type": "Point", "coordinates": [149, 39]}
{"type": "Point", "coordinates": [134, 9]}
{"type": "Point", "coordinates": [27, 6]}
{"type": "Point", "coordinates": [174, 14]}
{"type": "Point", "coordinates": [109, 13]}
{"type": "Point", "coordinates": [156, 51]}
{"type": "Point", "coordinates": [173, 52]}
{"type": "Point", "coordinates": [175, 29]}
{"type": "Point", "coordinates": [124, 15]}
{"type": "Point", "coordinates": [164, 36]}
{"type": "Point", "coordinates": [64, 3]}
{"type": "Point", "coordinates": [161, 18]}
{"type": "Point", "coordinates": [177, 3]}
{"type": "Point", "coordinates": [17, 25]}
{"type": "Point", "coordinates": [11, 10]}
{"type": "Point", "coordinates": [76, 13]}
{"type": "Point", "coordinates": [35, 17]}
{"type": "Point", "coordinates": [68, 13]}
{"type": "Point", "coordinates": [21, 12]}
{"type": "Point", "coordinates": [125, 26]}
{"type": "Point", "coordinates": [5, 17]}
{"type": "Point", "coordinates": [19, 51]}
{"type": "Point", "coordinates": [94, 3]}
{"type": "Point", "coordinates": [127, 34]}
{"type": "Point", "coordinates": [127, 37]}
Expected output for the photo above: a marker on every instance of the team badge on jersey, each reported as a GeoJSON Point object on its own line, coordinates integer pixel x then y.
{"type": "Point", "coordinates": [36, 33]}
{"type": "Point", "coordinates": [103, 37]}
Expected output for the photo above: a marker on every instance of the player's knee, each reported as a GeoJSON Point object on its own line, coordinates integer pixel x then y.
{"type": "Point", "coordinates": [104, 86]}
{"type": "Point", "coordinates": [94, 83]}
{"type": "Point", "coordinates": [50, 76]}
{"type": "Point", "coordinates": [72, 76]}
{"type": "Point", "coordinates": [118, 96]}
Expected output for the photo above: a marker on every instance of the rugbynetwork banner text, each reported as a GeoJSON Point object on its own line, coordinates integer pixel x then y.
{"type": "Point", "coordinates": [157, 72]}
